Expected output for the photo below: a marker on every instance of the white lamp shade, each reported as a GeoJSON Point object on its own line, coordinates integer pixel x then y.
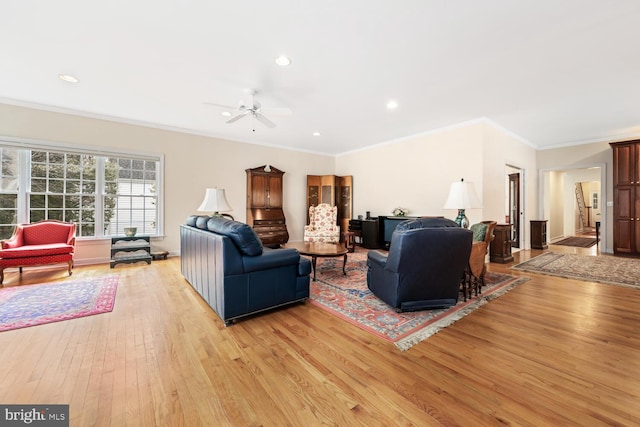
{"type": "Point", "coordinates": [215, 201]}
{"type": "Point", "coordinates": [462, 195]}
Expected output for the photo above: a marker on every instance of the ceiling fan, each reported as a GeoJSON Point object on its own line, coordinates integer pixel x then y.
{"type": "Point", "coordinates": [253, 109]}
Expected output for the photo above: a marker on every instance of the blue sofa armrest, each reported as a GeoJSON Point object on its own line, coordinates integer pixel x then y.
{"type": "Point", "coordinates": [271, 258]}
{"type": "Point", "coordinates": [304, 267]}
{"type": "Point", "coordinates": [377, 258]}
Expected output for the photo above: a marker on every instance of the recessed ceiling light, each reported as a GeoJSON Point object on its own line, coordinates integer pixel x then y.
{"type": "Point", "coordinates": [68, 78]}
{"type": "Point", "coordinates": [316, 134]}
{"type": "Point", "coordinates": [226, 114]}
{"type": "Point", "coordinates": [283, 61]}
{"type": "Point", "coordinates": [392, 105]}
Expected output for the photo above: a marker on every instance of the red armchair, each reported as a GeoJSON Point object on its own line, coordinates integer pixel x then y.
{"type": "Point", "coordinates": [39, 243]}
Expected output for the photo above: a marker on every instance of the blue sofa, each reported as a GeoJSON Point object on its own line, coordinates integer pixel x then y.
{"type": "Point", "coordinates": [228, 266]}
{"type": "Point", "coordinates": [424, 267]}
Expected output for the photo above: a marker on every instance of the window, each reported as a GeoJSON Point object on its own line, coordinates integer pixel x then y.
{"type": "Point", "coordinates": [63, 187]}
{"type": "Point", "coordinates": [102, 193]}
{"type": "Point", "coordinates": [8, 191]}
{"type": "Point", "coordinates": [130, 197]}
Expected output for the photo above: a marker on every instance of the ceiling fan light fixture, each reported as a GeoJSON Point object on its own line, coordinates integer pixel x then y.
{"type": "Point", "coordinates": [316, 134]}
{"type": "Point", "coordinates": [68, 78]}
{"type": "Point", "coordinates": [283, 61]}
{"type": "Point", "coordinates": [392, 105]}
{"type": "Point", "coordinates": [226, 114]}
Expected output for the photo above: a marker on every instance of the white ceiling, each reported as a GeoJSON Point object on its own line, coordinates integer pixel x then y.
{"type": "Point", "coordinates": [553, 72]}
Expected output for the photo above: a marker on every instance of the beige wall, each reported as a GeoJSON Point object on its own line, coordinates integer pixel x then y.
{"type": "Point", "coordinates": [192, 163]}
{"type": "Point", "coordinates": [414, 172]}
{"type": "Point", "coordinates": [554, 210]}
{"type": "Point", "coordinates": [503, 152]}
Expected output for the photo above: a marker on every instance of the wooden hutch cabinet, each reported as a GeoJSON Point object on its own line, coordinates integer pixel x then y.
{"type": "Point", "coordinates": [264, 205]}
{"type": "Point", "coordinates": [626, 197]}
{"type": "Point", "coordinates": [335, 191]}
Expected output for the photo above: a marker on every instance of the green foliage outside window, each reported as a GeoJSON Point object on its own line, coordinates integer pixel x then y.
{"type": "Point", "coordinates": [64, 186]}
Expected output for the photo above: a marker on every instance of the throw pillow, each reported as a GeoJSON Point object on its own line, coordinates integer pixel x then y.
{"type": "Point", "coordinates": [479, 232]}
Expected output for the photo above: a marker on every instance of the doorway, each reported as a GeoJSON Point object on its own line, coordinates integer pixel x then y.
{"type": "Point", "coordinates": [561, 194]}
{"type": "Point", "coordinates": [514, 208]}
{"type": "Point", "coordinates": [514, 205]}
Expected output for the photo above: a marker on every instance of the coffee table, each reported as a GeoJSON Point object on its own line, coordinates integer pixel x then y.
{"type": "Point", "coordinates": [320, 250]}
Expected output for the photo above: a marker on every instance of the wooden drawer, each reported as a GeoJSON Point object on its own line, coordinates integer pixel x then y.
{"type": "Point", "coordinates": [269, 228]}
{"type": "Point", "coordinates": [267, 214]}
{"type": "Point", "coordinates": [265, 233]}
{"type": "Point", "coordinates": [264, 222]}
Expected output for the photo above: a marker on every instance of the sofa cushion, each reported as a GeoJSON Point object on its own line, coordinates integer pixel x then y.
{"type": "Point", "coordinates": [37, 250]}
{"type": "Point", "coordinates": [244, 237]}
{"type": "Point", "coordinates": [271, 258]}
{"type": "Point", "coordinates": [479, 232]}
{"type": "Point", "coordinates": [192, 219]}
{"type": "Point", "coordinates": [42, 233]}
{"type": "Point", "coordinates": [201, 221]}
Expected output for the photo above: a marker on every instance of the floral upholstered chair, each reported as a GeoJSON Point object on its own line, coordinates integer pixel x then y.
{"type": "Point", "coordinates": [322, 224]}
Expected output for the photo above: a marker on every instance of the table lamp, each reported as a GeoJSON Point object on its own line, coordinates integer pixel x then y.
{"type": "Point", "coordinates": [215, 201]}
{"type": "Point", "coordinates": [462, 195]}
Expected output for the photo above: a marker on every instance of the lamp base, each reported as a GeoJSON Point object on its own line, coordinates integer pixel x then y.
{"type": "Point", "coordinates": [223, 215]}
{"type": "Point", "coordinates": [462, 219]}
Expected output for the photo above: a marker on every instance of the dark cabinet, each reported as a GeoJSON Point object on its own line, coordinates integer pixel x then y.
{"type": "Point", "coordinates": [626, 197]}
{"type": "Point", "coordinates": [370, 234]}
{"type": "Point", "coordinates": [501, 244]}
{"type": "Point", "coordinates": [539, 234]}
{"type": "Point", "coordinates": [264, 205]}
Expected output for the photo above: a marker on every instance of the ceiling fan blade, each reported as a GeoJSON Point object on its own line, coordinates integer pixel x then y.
{"type": "Point", "coordinates": [276, 111]}
{"type": "Point", "coordinates": [237, 117]}
{"type": "Point", "coordinates": [262, 119]}
{"type": "Point", "coordinates": [227, 107]}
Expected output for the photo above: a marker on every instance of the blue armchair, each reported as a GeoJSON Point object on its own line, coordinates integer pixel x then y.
{"type": "Point", "coordinates": [424, 267]}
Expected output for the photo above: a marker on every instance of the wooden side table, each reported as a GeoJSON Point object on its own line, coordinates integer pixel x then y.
{"type": "Point", "coordinates": [501, 244]}
{"type": "Point", "coordinates": [539, 234]}
{"type": "Point", "coordinates": [349, 240]}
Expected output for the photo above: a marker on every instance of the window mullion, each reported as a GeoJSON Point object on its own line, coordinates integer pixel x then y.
{"type": "Point", "coordinates": [24, 186]}
{"type": "Point", "coordinates": [100, 193]}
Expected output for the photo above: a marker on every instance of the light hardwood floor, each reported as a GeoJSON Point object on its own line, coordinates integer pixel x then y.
{"type": "Point", "coordinates": [550, 352]}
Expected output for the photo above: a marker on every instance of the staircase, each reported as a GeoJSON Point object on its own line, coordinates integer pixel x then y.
{"type": "Point", "coordinates": [582, 208]}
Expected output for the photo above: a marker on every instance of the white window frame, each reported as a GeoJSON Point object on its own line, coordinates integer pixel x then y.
{"type": "Point", "coordinates": [101, 153]}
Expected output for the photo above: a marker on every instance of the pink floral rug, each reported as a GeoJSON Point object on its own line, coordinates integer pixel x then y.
{"type": "Point", "coordinates": [30, 305]}
{"type": "Point", "coordinates": [349, 298]}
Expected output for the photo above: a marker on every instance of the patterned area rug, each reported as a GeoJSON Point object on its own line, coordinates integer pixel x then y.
{"type": "Point", "coordinates": [349, 298]}
{"type": "Point", "coordinates": [580, 242]}
{"type": "Point", "coordinates": [30, 305]}
{"type": "Point", "coordinates": [603, 268]}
